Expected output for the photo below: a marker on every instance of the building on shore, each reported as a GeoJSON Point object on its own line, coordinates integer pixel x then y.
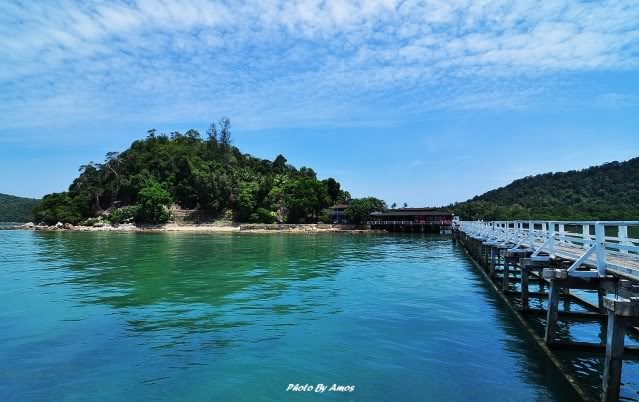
{"type": "Point", "coordinates": [412, 220]}
{"type": "Point", "coordinates": [336, 212]}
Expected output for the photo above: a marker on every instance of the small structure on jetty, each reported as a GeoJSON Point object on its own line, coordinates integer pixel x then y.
{"type": "Point", "coordinates": [336, 212]}
{"type": "Point", "coordinates": [593, 257]}
{"type": "Point", "coordinates": [412, 220]}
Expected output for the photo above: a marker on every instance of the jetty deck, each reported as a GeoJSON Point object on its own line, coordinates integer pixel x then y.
{"type": "Point", "coordinates": [596, 256]}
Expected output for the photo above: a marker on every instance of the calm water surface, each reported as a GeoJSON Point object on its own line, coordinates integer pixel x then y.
{"type": "Point", "coordinates": [114, 316]}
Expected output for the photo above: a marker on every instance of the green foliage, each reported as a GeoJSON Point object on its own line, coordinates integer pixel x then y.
{"type": "Point", "coordinates": [125, 214]}
{"type": "Point", "coordinates": [305, 198]}
{"type": "Point", "coordinates": [263, 215]}
{"type": "Point", "coordinates": [153, 203]}
{"type": "Point", "coordinates": [359, 210]}
{"type": "Point", "coordinates": [324, 217]}
{"type": "Point", "coordinates": [247, 200]}
{"type": "Point", "coordinates": [58, 207]}
{"type": "Point", "coordinates": [198, 173]}
{"type": "Point", "coordinates": [606, 192]}
{"type": "Point", "coordinates": [91, 221]}
{"type": "Point", "coordinates": [16, 209]}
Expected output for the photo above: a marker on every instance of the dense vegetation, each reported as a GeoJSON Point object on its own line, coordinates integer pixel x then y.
{"type": "Point", "coordinates": [606, 192]}
{"type": "Point", "coordinates": [359, 210]}
{"type": "Point", "coordinates": [16, 209]}
{"type": "Point", "coordinates": [208, 174]}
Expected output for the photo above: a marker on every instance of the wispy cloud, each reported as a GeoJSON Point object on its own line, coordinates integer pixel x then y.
{"type": "Point", "coordinates": [272, 62]}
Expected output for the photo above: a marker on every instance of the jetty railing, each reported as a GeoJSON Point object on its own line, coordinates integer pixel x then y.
{"type": "Point", "coordinates": [586, 256]}
{"type": "Point", "coordinates": [596, 248]}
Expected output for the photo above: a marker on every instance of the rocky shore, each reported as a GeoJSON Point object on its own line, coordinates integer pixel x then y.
{"type": "Point", "coordinates": [172, 227]}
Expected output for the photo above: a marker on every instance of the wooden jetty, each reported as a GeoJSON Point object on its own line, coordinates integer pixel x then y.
{"type": "Point", "coordinates": [563, 256]}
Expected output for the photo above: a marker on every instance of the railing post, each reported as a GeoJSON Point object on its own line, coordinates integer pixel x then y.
{"type": "Point", "coordinates": [600, 240]}
{"type": "Point", "coordinates": [551, 240]}
{"type": "Point", "coordinates": [562, 233]}
{"type": "Point", "coordinates": [531, 235]}
{"type": "Point", "coordinates": [623, 237]}
{"type": "Point", "coordinates": [586, 235]}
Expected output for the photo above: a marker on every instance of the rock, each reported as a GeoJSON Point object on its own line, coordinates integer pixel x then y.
{"type": "Point", "coordinates": [29, 225]}
{"type": "Point", "coordinates": [59, 225]}
{"type": "Point", "coordinates": [98, 225]}
{"type": "Point", "coordinates": [68, 226]}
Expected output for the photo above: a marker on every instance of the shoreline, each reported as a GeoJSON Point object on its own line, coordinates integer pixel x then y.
{"type": "Point", "coordinates": [200, 228]}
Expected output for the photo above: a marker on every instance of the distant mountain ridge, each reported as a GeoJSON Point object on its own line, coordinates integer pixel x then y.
{"type": "Point", "coordinates": [16, 209]}
{"type": "Point", "coordinates": [606, 192]}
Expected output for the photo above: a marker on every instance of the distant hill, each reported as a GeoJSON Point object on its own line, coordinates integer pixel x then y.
{"type": "Point", "coordinates": [16, 209]}
{"type": "Point", "coordinates": [606, 192]}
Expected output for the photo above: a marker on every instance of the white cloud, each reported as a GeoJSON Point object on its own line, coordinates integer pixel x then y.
{"type": "Point", "coordinates": [290, 62]}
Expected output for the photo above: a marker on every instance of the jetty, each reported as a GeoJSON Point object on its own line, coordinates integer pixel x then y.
{"type": "Point", "coordinates": [593, 264]}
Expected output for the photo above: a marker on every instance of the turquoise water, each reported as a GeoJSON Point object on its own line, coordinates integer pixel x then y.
{"type": "Point", "coordinates": [196, 317]}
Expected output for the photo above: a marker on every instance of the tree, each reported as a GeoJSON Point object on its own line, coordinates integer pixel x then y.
{"type": "Point", "coordinates": [111, 163]}
{"type": "Point", "coordinates": [343, 196]}
{"type": "Point", "coordinates": [225, 132]}
{"type": "Point", "coordinates": [333, 189]}
{"type": "Point", "coordinates": [153, 202]}
{"type": "Point", "coordinates": [247, 200]}
{"type": "Point", "coordinates": [279, 164]}
{"type": "Point", "coordinates": [193, 135]}
{"type": "Point", "coordinates": [405, 205]}
{"type": "Point", "coordinates": [304, 199]}
{"type": "Point", "coordinates": [211, 133]}
{"type": "Point", "coordinates": [89, 186]}
{"type": "Point", "coordinates": [57, 207]}
{"type": "Point", "coordinates": [263, 215]}
{"type": "Point", "coordinates": [359, 210]}
{"type": "Point", "coordinates": [394, 205]}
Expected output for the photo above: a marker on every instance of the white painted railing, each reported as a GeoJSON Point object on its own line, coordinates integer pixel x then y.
{"type": "Point", "coordinates": [583, 242]}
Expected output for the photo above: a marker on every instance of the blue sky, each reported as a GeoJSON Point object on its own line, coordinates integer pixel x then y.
{"type": "Point", "coordinates": [425, 102]}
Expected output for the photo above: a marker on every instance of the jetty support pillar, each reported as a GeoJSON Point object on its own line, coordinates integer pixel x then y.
{"type": "Point", "coordinates": [620, 313]}
{"type": "Point", "coordinates": [552, 314]}
{"type": "Point", "coordinates": [493, 261]}
{"type": "Point", "coordinates": [506, 274]}
{"type": "Point", "coordinates": [525, 273]}
{"type": "Point", "coordinates": [528, 266]}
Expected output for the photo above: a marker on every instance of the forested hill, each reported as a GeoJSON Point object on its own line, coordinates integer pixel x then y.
{"type": "Point", "coordinates": [16, 209]}
{"type": "Point", "coordinates": [208, 174]}
{"type": "Point", "coordinates": [606, 192]}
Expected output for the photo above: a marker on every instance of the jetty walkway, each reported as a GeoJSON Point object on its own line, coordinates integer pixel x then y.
{"type": "Point", "coordinates": [599, 258]}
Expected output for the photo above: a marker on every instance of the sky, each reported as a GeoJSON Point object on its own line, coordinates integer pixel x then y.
{"type": "Point", "coordinates": [424, 102]}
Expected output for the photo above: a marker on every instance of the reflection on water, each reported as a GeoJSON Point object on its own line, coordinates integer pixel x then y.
{"type": "Point", "coordinates": [114, 316]}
